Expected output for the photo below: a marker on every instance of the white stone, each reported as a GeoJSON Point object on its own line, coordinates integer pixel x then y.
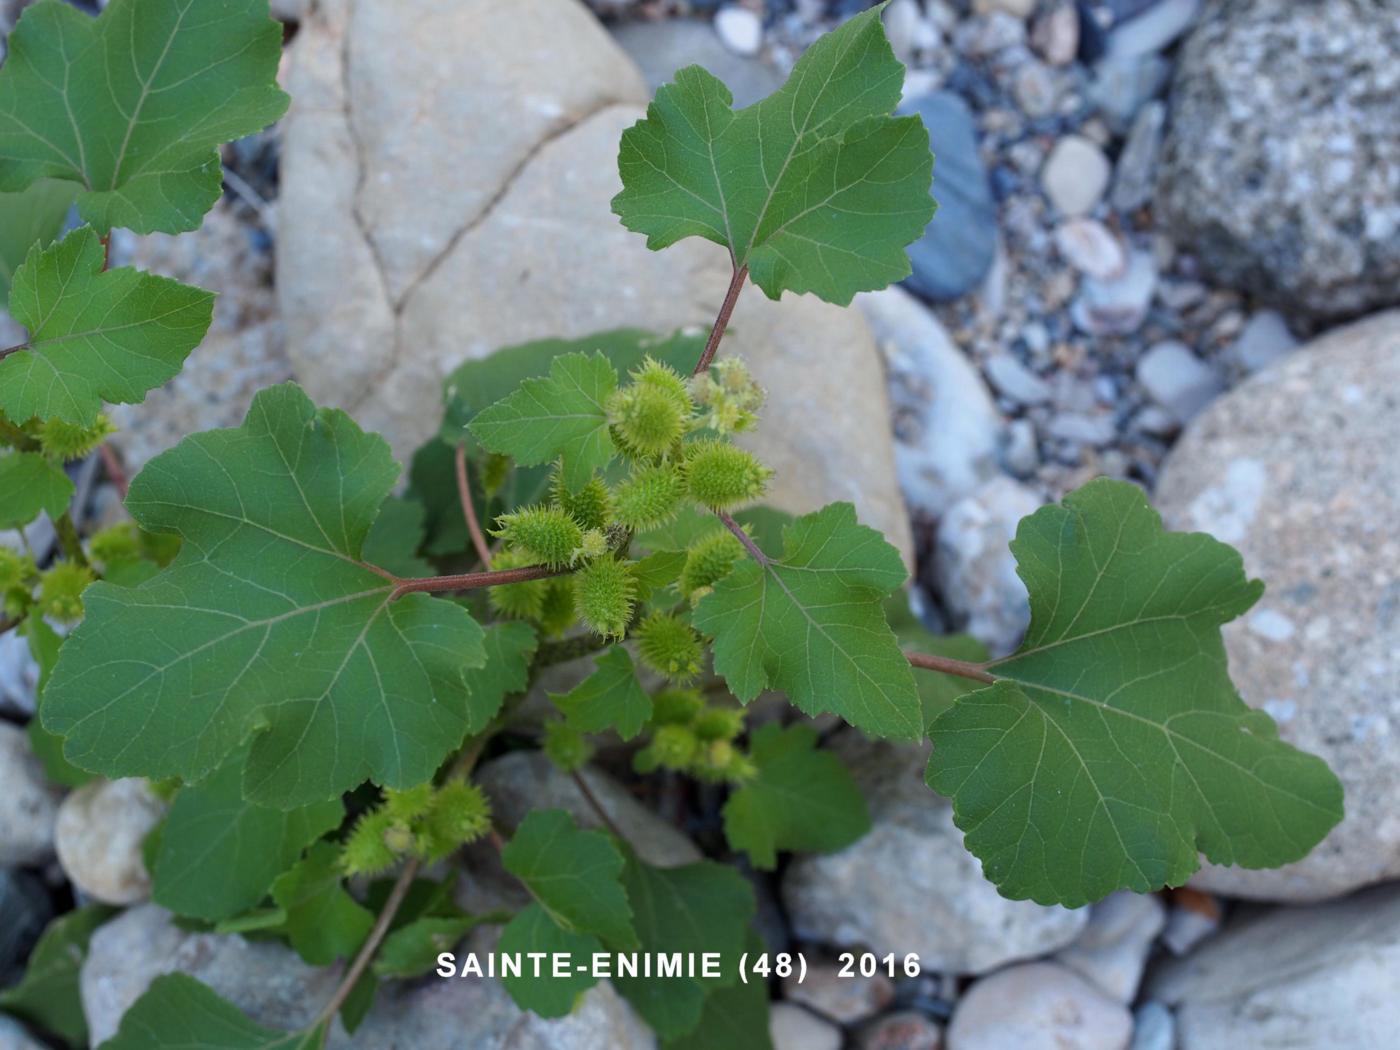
{"type": "Point", "coordinates": [1075, 175]}
{"type": "Point", "coordinates": [98, 836]}
{"type": "Point", "coordinates": [839, 994]}
{"type": "Point", "coordinates": [975, 570]}
{"type": "Point", "coordinates": [14, 1037]}
{"type": "Point", "coordinates": [1161, 23]}
{"type": "Point", "coordinates": [946, 426]}
{"type": "Point", "coordinates": [1154, 1027]}
{"type": "Point", "coordinates": [909, 885]}
{"type": "Point", "coordinates": [1322, 976]}
{"type": "Point", "coordinates": [1113, 949]}
{"type": "Point", "coordinates": [1265, 339]}
{"type": "Point", "coordinates": [740, 29]}
{"type": "Point", "coordinates": [1038, 1005]}
{"type": "Point", "coordinates": [1014, 380]}
{"type": "Point", "coordinates": [1055, 35]}
{"type": "Point", "coordinates": [1177, 379]}
{"type": "Point", "coordinates": [1117, 307]}
{"type": "Point", "coordinates": [793, 1028]}
{"type": "Point", "coordinates": [28, 804]}
{"type": "Point", "coordinates": [19, 675]}
{"type": "Point", "coordinates": [1016, 8]}
{"type": "Point", "coordinates": [1090, 248]}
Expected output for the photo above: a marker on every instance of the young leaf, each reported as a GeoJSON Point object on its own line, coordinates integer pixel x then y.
{"type": "Point", "coordinates": [267, 623]}
{"type": "Point", "coordinates": [30, 217]}
{"type": "Point", "coordinates": [562, 415]}
{"type": "Point", "coordinates": [219, 852]}
{"type": "Point", "coordinates": [475, 385]}
{"type": "Point", "coordinates": [412, 949]}
{"type": "Point", "coordinates": [31, 484]}
{"type": "Point", "coordinates": [1113, 748]}
{"type": "Point", "coordinates": [812, 624]}
{"type": "Point", "coordinates": [178, 1013]}
{"type": "Point", "coordinates": [133, 104]}
{"type": "Point", "coordinates": [47, 995]}
{"type": "Point", "coordinates": [94, 336]}
{"type": "Point", "coordinates": [510, 646]}
{"type": "Point", "coordinates": [815, 189]}
{"type": "Point", "coordinates": [532, 930]}
{"type": "Point", "coordinates": [700, 907]}
{"type": "Point", "coordinates": [609, 698]}
{"type": "Point", "coordinates": [802, 798]}
{"type": "Point", "coordinates": [573, 874]}
{"type": "Point", "coordinates": [324, 923]}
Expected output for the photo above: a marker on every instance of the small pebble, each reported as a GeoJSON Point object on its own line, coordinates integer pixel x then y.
{"type": "Point", "coordinates": [1087, 245]}
{"type": "Point", "coordinates": [1075, 175]}
{"type": "Point", "coordinates": [740, 29]}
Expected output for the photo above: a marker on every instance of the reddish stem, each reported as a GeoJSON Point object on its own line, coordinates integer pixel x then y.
{"type": "Point", "coordinates": [744, 538]}
{"type": "Point", "coordinates": [470, 581]}
{"type": "Point", "coordinates": [731, 296]}
{"type": "Point", "coordinates": [464, 493]}
{"type": "Point", "coordinates": [947, 665]}
{"type": "Point", "coordinates": [115, 471]}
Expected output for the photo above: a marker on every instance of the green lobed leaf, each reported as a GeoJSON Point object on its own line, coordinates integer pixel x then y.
{"type": "Point", "coordinates": [817, 188]}
{"type": "Point", "coordinates": [812, 624]}
{"type": "Point", "coordinates": [31, 484]}
{"type": "Point", "coordinates": [412, 949]}
{"type": "Point", "coordinates": [609, 698]}
{"type": "Point", "coordinates": [44, 645]}
{"type": "Point", "coordinates": [219, 853]}
{"type": "Point", "coordinates": [573, 874]}
{"type": "Point", "coordinates": [802, 798]}
{"type": "Point", "coordinates": [476, 385]}
{"type": "Point", "coordinates": [733, 1018]}
{"type": "Point", "coordinates": [532, 930]}
{"type": "Point", "coordinates": [510, 647]}
{"type": "Point", "coordinates": [94, 336]}
{"type": "Point", "coordinates": [563, 415]}
{"type": "Point", "coordinates": [132, 105]}
{"type": "Point", "coordinates": [1113, 748]}
{"type": "Point", "coordinates": [178, 1013]}
{"type": "Point", "coordinates": [47, 996]}
{"type": "Point", "coordinates": [32, 216]}
{"type": "Point", "coordinates": [267, 624]}
{"type": "Point", "coordinates": [323, 922]}
{"type": "Point", "coordinates": [700, 907]}
{"type": "Point", "coordinates": [395, 537]}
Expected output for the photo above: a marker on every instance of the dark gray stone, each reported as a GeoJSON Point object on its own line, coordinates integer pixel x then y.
{"type": "Point", "coordinates": [957, 249]}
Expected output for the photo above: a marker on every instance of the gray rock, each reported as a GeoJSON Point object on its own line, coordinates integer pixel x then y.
{"type": "Point", "coordinates": [844, 999]}
{"type": "Point", "coordinates": [28, 804]}
{"type": "Point", "coordinates": [19, 675]}
{"type": "Point", "coordinates": [1014, 380]}
{"type": "Point", "coordinates": [904, 1030]}
{"type": "Point", "coordinates": [1177, 379]}
{"type": "Point", "coordinates": [1194, 917]}
{"type": "Point", "coordinates": [1055, 35]}
{"type": "Point", "coordinates": [957, 249]}
{"type": "Point", "coordinates": [26, 909]}
{"type": "Point", "coordinates": [1135, 175]}
{"type": "Point", "coordinates": [909, 885]}
{"type": "Point", "coordinates": [1265, 339]}
{"type": "Point", "coordinates": [526, 780]}
{"type": "Point", "coordinates": [1090, 248]}
{"type": "Point", "coordinates": [390, 273]}
{"type": "Point", "coordinates": [1075, 175]}
{"type": "Point", "coordinates": [1020, 453]}
{"type": "Point", "coordinates": [1121, 87]}
{"type": "Point", "coordinates": [1080, 429]}
{"type": "Point", "coordinates": [1113, 949]}
{"type": "Point", "coordinates": [740, 28]}
{"type": "Point", "coordinates": [1153, 29]}
{"type": "Point", "coordinates": [1015, 8]}
{"type": "Point", "coordinates": [1296, 468]}
{"type": "Point", "coordinates": [1037, 91]}
{"type": "Point", "coordinates": [661, 48]}
{"type": "Point", "coordinates": [1038, 1004]}
{"type": "Point", "coordinates": [98, 837]}
{"type": "Point", "coordinates": [12, 1033]}
{"type": "Point", "coordinates": [793, 1028]}
{"type": "Point", "coordinates": [975, 571]}
{"type": "Point", "coordinates": [1119, 306]}
{"type": "Point", "coordinates": [1154, 1027]}
{"type": "Point", "coordinates": [946, 427]}
{"type": "Point", "coordinates": [1294, 977]}
{"type": "Point", "coordinates": [1275, 191]}
{"type": "Point", "coordinates": [265, 979]}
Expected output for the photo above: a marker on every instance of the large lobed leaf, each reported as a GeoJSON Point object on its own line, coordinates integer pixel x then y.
{"type": "Point", "coordinates": [94, 335]}
{"type": "Point", "coordinates": [812, 624]}
{"type": "Point", "coordinates": [815, 189]}
{"type": "Point", "coordinates": [30, 217]}
{"type": "Point", "coordinates": [1113, 748]}
{"type": "Point", "coordinates": [132, 105]}
{"type": "Point", "coordinates": [268, 624]}
{"type": "Point", "coordinates": [609, 698]}
{"type": "Point", "coordinates": [178, 1013]}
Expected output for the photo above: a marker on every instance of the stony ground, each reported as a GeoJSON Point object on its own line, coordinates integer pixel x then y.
{"type": "Point", "coordinates": [1166, 246]}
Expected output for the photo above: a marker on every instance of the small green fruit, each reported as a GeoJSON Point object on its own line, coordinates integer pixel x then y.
{"type": "Point", "coordinates": [604, 591]}
{"type": "Point", "coordinates": [721, 475]}
{"type": "Point", "coordinates": [669, 646]}
{"type": "Point", "coordinates": [547, 535]}
{"type": "Point", "coordinates": [650, 497]}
